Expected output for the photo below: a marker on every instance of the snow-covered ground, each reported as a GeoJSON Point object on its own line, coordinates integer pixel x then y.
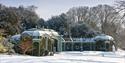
{"type": "Point", "coordinates": [69, 57]}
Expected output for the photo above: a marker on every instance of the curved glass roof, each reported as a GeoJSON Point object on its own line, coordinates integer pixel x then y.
{"type": "Point", "coordinates": [41, 32]}
{"type": "Point", "coordinates": [104, 37]}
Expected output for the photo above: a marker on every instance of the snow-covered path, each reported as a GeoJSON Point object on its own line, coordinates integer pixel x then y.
{"type": "Point", "coordinates": [69, 57]}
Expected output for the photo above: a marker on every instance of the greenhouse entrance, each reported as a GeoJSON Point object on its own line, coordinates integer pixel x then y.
{"type": "Point", "coordinates": [55, 45]}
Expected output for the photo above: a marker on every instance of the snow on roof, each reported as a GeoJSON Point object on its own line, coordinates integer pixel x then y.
{"type": "Point", "coordinates": [41, 32]}
{"type": "Point", "coordinates": [81, 40]}
{"type": "Point", "coordinates": [15, 37]}
{"type": "Point", "coordinates": [28, 32]}
{"type": "Point", "coordinates": [94, 39]}
{"type": "Point", "coordinates": [103, 37]}
{"type": "Point", "coordinates": [84, 39]}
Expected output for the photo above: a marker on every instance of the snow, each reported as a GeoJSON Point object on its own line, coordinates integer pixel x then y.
{"type": "Point", "coordinates": [83, 40]}
{"type": "Point", "coordinates": [69, 57]}
{"type": "Point", "coordinates": [38, 32]}
{"type": "Point", "coordinates": [104, 37]}
{"type": "Point", "coordinates": [15, 37]}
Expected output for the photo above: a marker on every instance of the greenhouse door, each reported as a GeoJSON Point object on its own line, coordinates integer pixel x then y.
{"type": "Point", "coordinates": [55, 45]}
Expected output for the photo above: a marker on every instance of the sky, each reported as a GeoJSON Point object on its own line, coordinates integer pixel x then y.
{"type": "Point", "coordinates": [48, 8]}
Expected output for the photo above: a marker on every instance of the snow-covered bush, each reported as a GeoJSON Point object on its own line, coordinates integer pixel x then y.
{"type": "Point", "coordinates": [5, 45]}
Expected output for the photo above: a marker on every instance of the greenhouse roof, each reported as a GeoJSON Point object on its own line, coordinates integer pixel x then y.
{"type": "Point", "coordinates": [104, 37]}
{"type": "Point", "coordinates": [41, 32]}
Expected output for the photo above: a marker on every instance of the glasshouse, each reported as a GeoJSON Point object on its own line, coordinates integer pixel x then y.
{"type": "Point", "coordinates": [41, 42]}
{"type": "Point", "coordinates": [36, 42]}
{"type": "Point", "coordinates": [97, 43]}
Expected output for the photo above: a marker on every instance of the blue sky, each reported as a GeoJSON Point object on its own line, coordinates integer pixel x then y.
{"type": "Point", "coordinates": [48, 8]}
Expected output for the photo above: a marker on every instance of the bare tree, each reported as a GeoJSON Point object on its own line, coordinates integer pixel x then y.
{"type": "Point", "coordinates": [120, 7]}
{"type": "Point", "coordinates": [103, 18]}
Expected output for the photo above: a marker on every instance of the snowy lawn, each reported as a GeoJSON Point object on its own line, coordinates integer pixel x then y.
{"type": "Point", "coordinates": [69, 57]}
